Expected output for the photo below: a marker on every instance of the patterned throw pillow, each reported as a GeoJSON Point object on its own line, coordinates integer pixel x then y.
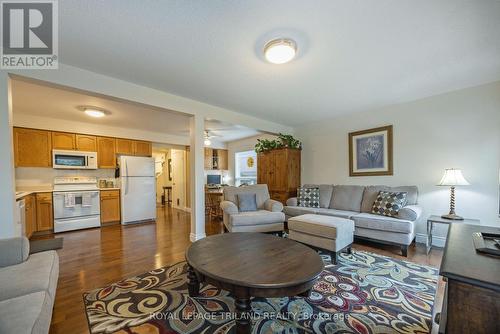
{"type": "Point", "coordinates": [308, 197]}
{"type": "Point", "coordinates": [389, 203]}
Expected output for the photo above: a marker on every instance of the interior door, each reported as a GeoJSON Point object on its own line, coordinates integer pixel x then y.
{"type": "Point", "coordinates": [178, 179]}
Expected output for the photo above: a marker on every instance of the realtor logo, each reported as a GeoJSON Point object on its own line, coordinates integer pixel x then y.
{"type": "Point", "coordinates": [29, 34]}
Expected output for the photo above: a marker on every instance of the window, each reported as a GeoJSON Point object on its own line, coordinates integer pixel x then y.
{"type": "Point", "coordinates": [245, 168]}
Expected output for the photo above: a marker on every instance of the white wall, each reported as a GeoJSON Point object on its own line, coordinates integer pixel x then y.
{"type": "Point", "coordinates": [460, 129]}
{"type": "Point", "coordinates": [7, 197]}
{"type": "Point", "coordinates": [241, 145]}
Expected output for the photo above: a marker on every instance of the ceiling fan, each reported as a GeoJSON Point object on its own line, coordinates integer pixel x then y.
{"type": "Point", "coordinates": [209, 136]}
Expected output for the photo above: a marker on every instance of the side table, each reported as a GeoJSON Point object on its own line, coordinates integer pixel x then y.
{"type": "Point", "coordinates": [434, 219]}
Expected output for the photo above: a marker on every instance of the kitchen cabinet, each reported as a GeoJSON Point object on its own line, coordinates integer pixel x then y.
{"type": "Point", "coordinates": [222, 156]}
{"type": "Point", "coordinates": [143, 148]}
{"type": "Point", "coordinates": [124, 146]}
{"type": "Point", "coordinates": [44, 212]}
{"type": "Point", "coordinates": [110, 206]}
{"type": "Point", "coordinates": [216, 159]}
{"type": "Point", "coordinates": [280, 170]}
{"type": "Point", "coordinates": [86, 143]}
{"type": "Point", "coordinates": [32, 148]}
{"type": "Point", "coordinates": [30, 215]}
{"type": "Point", "coordinates": [208, 158]}
{"type": "Point", "coordinates": [63, 141]}
{"type": "Point", "coordinates": [106, 152]}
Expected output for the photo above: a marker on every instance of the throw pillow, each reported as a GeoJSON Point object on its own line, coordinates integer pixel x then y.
{"type": "Point", "coordinates": [389, 203]}
{"type": "Point", "coordinates": [308, 197]}
{"type": "Point", "coordinates": [247, 202]}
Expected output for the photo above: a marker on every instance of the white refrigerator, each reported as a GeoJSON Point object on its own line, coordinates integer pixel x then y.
{"type": "Point", "coordinates": [138, 189]}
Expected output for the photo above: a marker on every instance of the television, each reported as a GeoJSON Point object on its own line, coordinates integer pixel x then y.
{"type": "Point", "coordinates": [213, 179]}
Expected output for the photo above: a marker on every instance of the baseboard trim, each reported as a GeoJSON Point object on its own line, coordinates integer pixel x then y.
{"type": "Point", "coordinates": [195, 237]}
{"type": "Point", "coordinates": [421, 238]}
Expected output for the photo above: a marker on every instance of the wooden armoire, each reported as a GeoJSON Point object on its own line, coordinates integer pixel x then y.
{"type": "Point", "coordinates": [280, 170]}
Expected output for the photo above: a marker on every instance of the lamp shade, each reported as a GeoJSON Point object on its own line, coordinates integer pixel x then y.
{"type": "Point", "coordinates": [453, 177]}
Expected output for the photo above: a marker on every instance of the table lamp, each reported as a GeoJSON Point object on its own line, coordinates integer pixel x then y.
{"type": "Point", "coordinates": [452, 177]}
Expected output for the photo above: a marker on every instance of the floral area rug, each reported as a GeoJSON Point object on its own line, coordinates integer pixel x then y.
{"type": "Point", "coordinates": [363, 293]}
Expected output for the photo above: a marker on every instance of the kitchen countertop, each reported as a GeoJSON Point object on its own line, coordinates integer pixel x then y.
{"type": "Point", "coordinates": [24, 191]}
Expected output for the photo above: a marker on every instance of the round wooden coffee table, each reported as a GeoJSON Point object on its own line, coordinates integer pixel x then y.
{"type": "Point", "coordinates": [252, 265]}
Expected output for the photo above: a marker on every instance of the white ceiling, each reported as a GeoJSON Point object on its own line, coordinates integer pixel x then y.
{"type": "Point", "coordinates": [352, 55]}
{"type": "Point", "coordinates": [54, 102]}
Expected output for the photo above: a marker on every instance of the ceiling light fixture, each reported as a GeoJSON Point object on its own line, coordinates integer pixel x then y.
{"type": "Point", "coordinates": [280, 51]}
{"type": "Point", "coordinates": [93, 111]}
{"type": "Point", "coordinates": [207, 141]}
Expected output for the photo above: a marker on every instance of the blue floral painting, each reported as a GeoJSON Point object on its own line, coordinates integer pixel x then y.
{"type": "Point", "coordinates": [370, 152]}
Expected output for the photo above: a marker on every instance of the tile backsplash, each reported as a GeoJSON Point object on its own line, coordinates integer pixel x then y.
{"type": "Point", "coordinates": [37, 176]}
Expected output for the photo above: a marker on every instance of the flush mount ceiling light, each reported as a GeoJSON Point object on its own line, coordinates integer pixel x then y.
{"type": "Point", "coordinates": [280, 51]}
{"type": "Point", "coordinates": [93, 111]}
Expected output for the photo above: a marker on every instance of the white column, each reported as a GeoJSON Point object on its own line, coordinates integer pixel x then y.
{"type": "Point", "coordinates": [7, 183]}
{"type": "Point", "coordinates": [196, 130]}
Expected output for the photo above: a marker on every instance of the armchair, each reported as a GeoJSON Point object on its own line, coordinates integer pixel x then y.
{"type": "Point", "coordinates": [268, 217]}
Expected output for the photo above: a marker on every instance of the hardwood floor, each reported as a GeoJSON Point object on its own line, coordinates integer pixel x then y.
{"type": "Point", "coordinates": [97, 257]}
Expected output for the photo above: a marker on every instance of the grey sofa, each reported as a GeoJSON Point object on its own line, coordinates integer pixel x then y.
{"type": "Point", "coordinates": [268, 218]}
{"type": "Point", "coordinates": [355, 203]}
{"type": "Point", "coordinates": [27, 287]}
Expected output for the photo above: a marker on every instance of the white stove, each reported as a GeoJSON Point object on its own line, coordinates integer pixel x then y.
{"type": "Point", "coordinates": [76, 203]}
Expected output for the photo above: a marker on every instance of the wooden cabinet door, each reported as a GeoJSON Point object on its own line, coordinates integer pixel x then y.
{"type": "Point", "coordinates": [30, 213]}
{"type": "Point", "coordinates": [264, 168]}
{"type": "Point", "coordinates": [106, 152]}
{"type": "Point", "coordinates": [222, 155]}
{"type": "Point", "coordinates": [86, 143]}
{"type": "Point", "coordinates": [124, 146]}
{"type": "Point", "coordinates": [209, 158]}
{"type": "Point", "coordinates": [44, 213]}
{"type": "Point", "coordinates": [110, 206]}
{"type": "Point", "coordinates": [280, 171]}
{"type": "Point", "coordinates": [143, 148]}
{"type": "Point", "coordinates": [63, 141]}
{"type": "Point", "coordinates": [32, 148]}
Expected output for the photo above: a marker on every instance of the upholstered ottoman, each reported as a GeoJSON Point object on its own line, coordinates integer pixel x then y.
{"type": "Point", "coordinates": [329, 233]}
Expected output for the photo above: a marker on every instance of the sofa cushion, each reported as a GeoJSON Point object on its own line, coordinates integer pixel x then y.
{"type": "Point", "coordinates": [38, 273]}
{"type": "Point", "coordinates": [247, 202]}
{"type": "Point", "coordinates": [14, 251]}
{"type": "Point", "coordinates": [30, 313]}
{"type": "Point", "coordinates": [256, 218]}
{"type": "Point", "coordinates": [336, 213]}
{"type": "Point", "coordinates": [308, 197]}
{"type": "Point", "coordinates": [388, 224]}
{"type": "Point", "coordinates": [393, 237]}
{"type": "Point", "coordinates": [325, 193]}
{"type": "Point", "coordinates": [297, 210]}
{"type": "Point", "coordinates": [260, 189]}
{"type": "Point", "coordinates": [369, 196]}
{"type": "Point", "coordinates": [324, 226]}
{"type": "Point", "coordinates": [347, 198]}
{"type": "Point", "coordinates": [389, 203]}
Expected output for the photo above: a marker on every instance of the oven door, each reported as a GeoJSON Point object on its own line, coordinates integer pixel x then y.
{"type": "Point", "coordinates": [69, 204]}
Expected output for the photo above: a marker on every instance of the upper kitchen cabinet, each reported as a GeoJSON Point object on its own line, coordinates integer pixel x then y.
{"type": "Point", "coordinates": [124, 146]}
{"type": "Point", "coordinates": [106, 152]}
{"type": "Point", "coordinates": [143, 148]}
{"type": "Point", "coordinates": [32, 148]}
{"type": "Point", "coordinates": [86, 143]}
{"type": "Point", "coordinates": [63, 141]}
{"type": "Point", "coordinates": [216, 159]}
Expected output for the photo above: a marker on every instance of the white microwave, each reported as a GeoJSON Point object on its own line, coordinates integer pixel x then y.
{"type": "Point", "coordinates": [63, 159]}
